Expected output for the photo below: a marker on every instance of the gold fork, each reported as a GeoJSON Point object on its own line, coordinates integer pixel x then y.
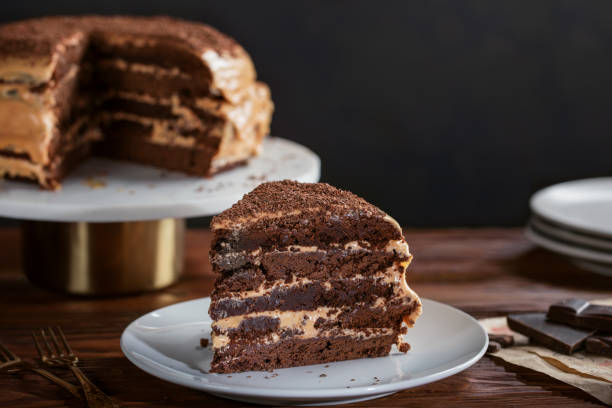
{"type": "Point", "coordinates": [56, 353]}
{"type": "Point", "coordinates": [10, 363]}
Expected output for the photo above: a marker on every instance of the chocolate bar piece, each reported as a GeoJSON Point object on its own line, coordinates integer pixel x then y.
{"type": "Point", "coordinates": [555, 336]}
{"type": "Point", "coordinates": [601, 345]}
{"type": "Point", "coordinates": [580, 313]}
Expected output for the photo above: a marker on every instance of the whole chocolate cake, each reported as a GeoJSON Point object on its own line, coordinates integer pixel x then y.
{"type": "Point", "coordinates": [308, 274]}
{"type": "Point", "coordinates": [156, 90]}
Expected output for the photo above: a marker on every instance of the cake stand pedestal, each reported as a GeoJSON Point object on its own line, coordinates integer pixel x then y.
{"type": "Point", "coordinates": [118, 227]}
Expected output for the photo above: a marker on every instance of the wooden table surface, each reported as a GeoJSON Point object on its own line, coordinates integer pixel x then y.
{"type": "Point", "coordinates": [485, 272]}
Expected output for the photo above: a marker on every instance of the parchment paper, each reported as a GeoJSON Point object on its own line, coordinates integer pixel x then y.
{"type": "Point", "coordinates": [588, 372]}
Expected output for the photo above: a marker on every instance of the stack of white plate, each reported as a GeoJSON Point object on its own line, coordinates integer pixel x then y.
{"type": "Point", "coordinates": [575, 219]}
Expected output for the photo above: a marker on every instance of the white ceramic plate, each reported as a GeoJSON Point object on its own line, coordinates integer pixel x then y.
{"type": "Point", "coordinates": [583, 205]}
{"type": "Point", "coordinates": [569, 236]}
{"type": "Point", "coordinates": [165, 343]}
{"type": "Point", "coordinates": [567, 249]}
{"type": "Point", "coordinates": [102, 190]}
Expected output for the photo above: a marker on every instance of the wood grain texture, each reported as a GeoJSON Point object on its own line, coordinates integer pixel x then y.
{"type": "Point", "coordinates": [485, 272]}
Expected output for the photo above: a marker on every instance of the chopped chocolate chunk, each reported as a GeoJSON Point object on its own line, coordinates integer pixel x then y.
{"type": "Point", "coordinates": [504, 340]}
{"type": "Point", "coordinates": [204, 342]}
{"type": "Point", "coordinates": [555, 336]}
{"type": "Point", "coordinates": [580, 313]}
{"type": "Point", "coordinates": [601, 345]}
{"type": "Point", "coordinates": [493, 347]}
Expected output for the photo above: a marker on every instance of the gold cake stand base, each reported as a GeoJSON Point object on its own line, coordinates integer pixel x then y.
{"type": "Point", "coordinates": [84, 258]}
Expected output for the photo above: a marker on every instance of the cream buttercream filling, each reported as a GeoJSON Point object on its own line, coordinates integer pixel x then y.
{"type": "Point", "coordinates": [157, 71]}
{"type": "Point", "coordinates": [250, 123]}
{"type": "Point", "coordinates": [16, 167]}
{"type": "Point", "coordinates": [230, 74]}
{"type": "Point", "coordinates": [27, 70]}
{"type": "Point", "coordinates": [238, 221]}
{"type": "Point", "coordinates": [303, 322]}
{"type": "Point", "coordinates": [137, 41]}
{"type": "Point", "coordinates": [26, 128]}
{"type": "Point", "coordinates": [27, 118]}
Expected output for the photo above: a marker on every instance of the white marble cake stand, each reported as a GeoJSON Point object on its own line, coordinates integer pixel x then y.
{"type": "Point", "coordinates": [117, 227]}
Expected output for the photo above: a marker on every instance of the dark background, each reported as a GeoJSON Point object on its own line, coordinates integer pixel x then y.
{"type": "Point", "coordinates": [443, 113]}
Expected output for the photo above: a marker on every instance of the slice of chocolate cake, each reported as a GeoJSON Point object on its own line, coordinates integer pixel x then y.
{"type": "Point", "coordinates": [155, 90]}
{"type": "Point", "coordinates": [308, 274]}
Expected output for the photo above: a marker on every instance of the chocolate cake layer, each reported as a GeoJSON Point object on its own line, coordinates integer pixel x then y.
{"type": "Point", "coordinates": [133, 77]}
{"type": "Point", "coordinates": [306, 264]}
{"type": "Point", "coordinates": [298, 352]}
{"type": "Point", "coordinates": [307, 296]}
{"type": "Point", "coordinates": [292, 230]}
{"type": "Point", "coordinates": [129, 141]}
{"type": "Point", "coordinates": [304, 215]}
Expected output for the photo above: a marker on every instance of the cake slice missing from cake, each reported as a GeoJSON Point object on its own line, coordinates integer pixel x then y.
{"type": "Point", "coordinates": [308, 274]}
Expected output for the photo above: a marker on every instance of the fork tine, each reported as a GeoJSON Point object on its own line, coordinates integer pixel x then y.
{"type": "Point", "coordinates": [7, 352]}
{"type": "Point", "coordinates": [37, 345]}
{"type": "Point", "coordinates": [63, 339]}
{"type": "Point", "coordinates": [46, 343]}
{"type": "Point", "coordinates": [56, 344]}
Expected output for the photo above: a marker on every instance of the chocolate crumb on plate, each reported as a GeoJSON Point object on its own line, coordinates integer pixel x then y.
{"type": "Point", "coordinates": [204, 342]}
